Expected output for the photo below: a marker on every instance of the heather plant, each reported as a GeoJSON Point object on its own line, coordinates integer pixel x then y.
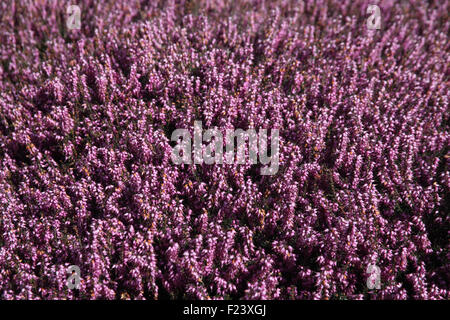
{"type": "Point", "coordinates": [88, 107]}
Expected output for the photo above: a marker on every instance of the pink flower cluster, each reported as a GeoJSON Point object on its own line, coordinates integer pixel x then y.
{"type": "Point", "coordinates": [86, 176]}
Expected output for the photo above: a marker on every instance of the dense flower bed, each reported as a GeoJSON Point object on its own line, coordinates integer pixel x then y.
{"type": "Point", "coordinates": [86, 176]}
